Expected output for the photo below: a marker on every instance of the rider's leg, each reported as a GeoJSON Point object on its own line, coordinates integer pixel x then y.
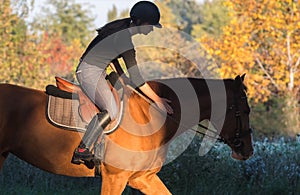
{"type": "Point", "coordinates": [92, 80]}
{"type": "Point", "coordinates": [94, 130]}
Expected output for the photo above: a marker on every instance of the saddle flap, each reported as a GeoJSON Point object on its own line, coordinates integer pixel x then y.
{"type": "Point", "coordinates": [87, 108]}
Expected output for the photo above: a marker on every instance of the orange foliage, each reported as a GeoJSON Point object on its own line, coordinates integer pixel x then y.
{"type": "Point", "coordinates": [262, 40]}
{"type": "Point", "coordinates": [60, 57]}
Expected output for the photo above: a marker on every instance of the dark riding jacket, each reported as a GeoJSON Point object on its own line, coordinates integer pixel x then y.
{"type": "Point", "coordinates": [114, 41]}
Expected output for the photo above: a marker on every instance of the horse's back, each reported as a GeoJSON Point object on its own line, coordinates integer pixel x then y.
{"type": "Point", "coordinates": [17, 92]}
{"type": "Point", "coordinates": [18, 105]}
{"type": "Point", "coordinates": [26, 132]}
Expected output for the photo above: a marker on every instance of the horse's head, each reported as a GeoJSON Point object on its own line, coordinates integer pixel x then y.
{"type": "Point", "coordinates": [236, 131]}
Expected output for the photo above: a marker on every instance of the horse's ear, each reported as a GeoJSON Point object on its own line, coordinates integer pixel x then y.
{"type": "Point", "coordinates": [238, 81]}
{"type": "Point", "coordinates": [243, 77]}
{"type": "Point", "coordinates": [237, 78]}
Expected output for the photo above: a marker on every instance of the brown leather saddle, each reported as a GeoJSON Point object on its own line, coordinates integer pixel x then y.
{"type": "Point", "coordinates": [87, 108]}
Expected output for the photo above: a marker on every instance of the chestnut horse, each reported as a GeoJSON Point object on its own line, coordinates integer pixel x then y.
{"type": "Point", "coordinates": [136, 151]}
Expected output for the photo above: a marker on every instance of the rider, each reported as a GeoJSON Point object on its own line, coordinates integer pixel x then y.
{"type": "Point", "coordinates": [114, 40]}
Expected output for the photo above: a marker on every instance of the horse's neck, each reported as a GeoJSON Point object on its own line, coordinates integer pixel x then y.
{"type": "Point", "coordinates": [214, 95]}
{"type": "Point", "coordinates": [193, 100]}
{"type": "Point", "coordinates": [198, 99]}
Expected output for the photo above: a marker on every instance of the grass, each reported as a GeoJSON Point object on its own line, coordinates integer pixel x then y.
{"type": "Point", "coordinates": [274, 169]}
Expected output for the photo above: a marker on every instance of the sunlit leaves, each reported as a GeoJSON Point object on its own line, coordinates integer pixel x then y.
{"type": "Point", "coordinates": [33, 58]}
{"type": "Point", "coordinates": [262, 40]}
{"type": "Point", "coordinates": [214, 16]}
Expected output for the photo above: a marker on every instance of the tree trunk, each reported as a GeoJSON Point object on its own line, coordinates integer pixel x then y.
{"type": "Point", "coordinates": [292, 114]}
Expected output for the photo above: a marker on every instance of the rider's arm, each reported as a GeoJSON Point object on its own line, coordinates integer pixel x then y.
{"type": "Point", "coordinates": [162, 103]}
{"type": "Point", "coordinates": [134, 73]}
{"type": "Point", "coordinates": [129, 58]}
{"type": "Point", "coordinates": [118, 67]}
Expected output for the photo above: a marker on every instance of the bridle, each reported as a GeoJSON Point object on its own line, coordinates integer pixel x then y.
{"type": "Point", "coordinates": [235, 141]}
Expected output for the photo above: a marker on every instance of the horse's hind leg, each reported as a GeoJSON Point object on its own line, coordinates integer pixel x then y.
{"type": "Point", "coordinates": [3, 156]}
{"type": "Point", "coordinates": [149, 184]}
{"type": "Point", "coordinates": [112, 185]}
{"type": "Point", "coordinates": [114, 181]}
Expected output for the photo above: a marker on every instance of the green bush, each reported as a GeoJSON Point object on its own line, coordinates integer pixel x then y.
{"type": "Point", "coordinates": [274, 169]}
{"type": "Point", "coordinates": [266, 118]}
{"type": "Point", "coordinates": [277, 117]}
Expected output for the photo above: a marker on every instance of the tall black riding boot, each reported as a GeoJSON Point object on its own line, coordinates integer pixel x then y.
{"type": "Point", "coordinates": [94, 130]}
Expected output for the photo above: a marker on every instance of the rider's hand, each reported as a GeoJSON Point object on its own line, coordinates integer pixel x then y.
{"type": "Point", "coordinates": [164, 104]}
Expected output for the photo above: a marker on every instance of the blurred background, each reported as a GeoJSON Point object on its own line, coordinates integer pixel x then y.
{"type": "Point", "coordinates": [42, 39]}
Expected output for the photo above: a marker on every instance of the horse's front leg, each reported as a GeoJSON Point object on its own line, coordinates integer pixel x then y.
{"type": "Point", "coordinates": [114, 180]}
{"type": "Point", "coordinates": [149, 183]}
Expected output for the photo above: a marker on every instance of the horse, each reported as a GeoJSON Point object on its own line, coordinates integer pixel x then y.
{"type": "Point", "coordinates": [136, 150]}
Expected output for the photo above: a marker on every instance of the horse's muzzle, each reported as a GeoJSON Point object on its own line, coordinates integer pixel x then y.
{"type": "Point", "coordinates": [238, 156]}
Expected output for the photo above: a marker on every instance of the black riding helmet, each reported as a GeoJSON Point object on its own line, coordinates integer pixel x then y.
{"type": "Point", "coordinates": [145, 11]}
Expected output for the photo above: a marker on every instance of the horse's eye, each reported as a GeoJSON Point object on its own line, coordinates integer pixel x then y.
{"type": "Point", "coordinates": [237, 143]}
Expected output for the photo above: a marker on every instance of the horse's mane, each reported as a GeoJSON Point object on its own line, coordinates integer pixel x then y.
{"type": "Point", "coordinates": [199, 81]}
{"type": "Point", "coordinates": [200, 85]}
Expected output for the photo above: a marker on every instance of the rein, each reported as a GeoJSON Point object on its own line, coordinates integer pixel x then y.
{"type": "Point", "coordinates": [210, 130]}
{"type": "Point", "coordinates": [234, 140]}
{"type": "Point", "coordinates": [195, 130]}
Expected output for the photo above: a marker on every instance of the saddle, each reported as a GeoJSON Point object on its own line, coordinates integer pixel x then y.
{"type": "Point", "coordinates": [72, 109]}
{"type": "Point", "coordinates": [68, 90]}
{"type": "Point", "coordinates": [87, 109]}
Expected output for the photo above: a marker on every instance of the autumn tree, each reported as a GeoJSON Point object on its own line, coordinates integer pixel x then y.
{"type": "Point", "coordinates": [22, 7]}
{"type": "Point", "coordinates": [7, 47]}
{"type": "Point", "coordinates": [67, 19]}
{"type": "Point", "coordinates": [169, 52]}
{"type": "Point", "coordinates": [214, 17]}
{"type": "Point", "coordinates": [65, 30]}
{"type": "Point", "coordinates": [187, 13]}
{"type": "Point", "coordinates": [18, 59]}
{"type": "Point", "coordinates": [263, 40]}
{"type": "Point", "coordinates": [32, 54]}
{"type": "Point", "coordinates": [114, 14]}
{"type": "Point", "coordinates": [61, 58]}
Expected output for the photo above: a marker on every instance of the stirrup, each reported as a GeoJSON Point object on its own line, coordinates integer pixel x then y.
{"type": "Point", "coordinates": [82, 157]}
{"type": "Point", "coordinates": [94, 130]}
